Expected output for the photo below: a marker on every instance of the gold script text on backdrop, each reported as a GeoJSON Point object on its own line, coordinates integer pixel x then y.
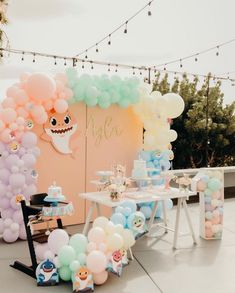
{"type": "Point", "coordinates": [105, 131]}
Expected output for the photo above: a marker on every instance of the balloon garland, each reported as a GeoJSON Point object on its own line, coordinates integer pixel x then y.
{"type": "Point", "coordinates": [29, 102]}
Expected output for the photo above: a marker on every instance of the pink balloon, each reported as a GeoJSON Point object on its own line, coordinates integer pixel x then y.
{"type": "Point", "coordinates": [40, 250]}
{"type": "Point", "coordinates": [29, 140]}
{"type": "Point", "coordinates": [100, 278]}
{"type": "Point", "coordinates": [37, 111]}
{"type": "Point", "coordinates": [209, 233]}
{"type": "Point", "coordinates": [22, 112]}
{"type": "Point", "coordinates": [11, 161]}
{"type": "Point", "coordinates": [21, 97]}
{"type": "Point", "coordinates": [201, 185]}
{"type": "Point", "coordinates": [15, 227]}
{"type": "Point", "coordinates": [24, 76]}
{"type": "Point", "coordinates": [9, 236]}
{"type": "Point", "coordinates": [20, 121]}
{"type": "Point", "coordinates": [57, 239]}
{"type": "Point", "coordinates": [6, 135]}
{"type": "Point", "coordinates": [8, 213]}
{"type": "Point", "coordinates": [8, 115]}
{"type": "Point", "coordinates": [22, 232]}
{"type": "Point", "coordinates": [215, 220]}
{"type": "Point", "coordinates": [12, 91]}
{"type": "Point", "coordinates": [68, 93]}
{"type": "Point", "coordinates": [30, 190]}
{"type": "Point", "coordinates": [42, 118]}
{"type": "Point", "coordinates": [36, 151]}
{"type": "Point", "coordinates": [4, 203]}
{"type": "Point", "coordinates": [2, 125]}
{"type": "Point", "coordinates": [96, 261]}
{"type": "Point", "coordinates": [3, 189]}
{"type": "Point", "coordinates": [13, 126]}
{"type": "Point", "coordinates": [17, 180]}
{"type": "Point", "coordinates": [48, 105]}
{"type": "Point", "coordinates": [29, 160]}
{"type": "Point", "coordinates": [208, 224]}
{"type": "Point", "coordinates": [41, 87]}
{"type": "Point", "coordinates": [18, 217]}
{"type": "Point", "coordinates": [9, 103]}
{"type": "Point", "coordinates": [96, 235]}
{"type": "Point", "coordinates": [4, 175]}
{"type": "Point", "coordinates": [60, 106]}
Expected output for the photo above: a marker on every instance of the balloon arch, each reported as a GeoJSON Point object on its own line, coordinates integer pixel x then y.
{"type": "Point", "coordinates": [29, 102]}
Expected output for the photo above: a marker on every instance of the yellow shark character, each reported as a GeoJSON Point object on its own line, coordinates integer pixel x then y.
{"type": "Point", "coordinates": [62, 131]}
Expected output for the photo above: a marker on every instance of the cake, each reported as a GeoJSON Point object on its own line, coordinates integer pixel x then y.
{"type": "Point", "coordinates": [140, 170]}
{"type": "Point", "coordinates": [55, 191]}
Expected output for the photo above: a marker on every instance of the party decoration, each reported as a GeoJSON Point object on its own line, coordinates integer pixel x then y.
{"type": "Point", "coordinates": [83, 280]}
{"type": "Point", "coordinates": [57, 239]}
{"type": "Point", "coordinates": [115, 263]}
{"type": "Point", "coordinates": [210, 184]}
{"type": "Point", "coordinates": [67, 209]}
{"type": "Point", "coordinates": [61, 131]}
{"type": "Point", "coordinates": [46, 274]}
{"type": "Point", "coordinates": [136, 222]}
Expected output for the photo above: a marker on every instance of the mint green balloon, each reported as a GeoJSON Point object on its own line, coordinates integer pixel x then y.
{"type": "Point", "coordinates": [208, 192]}
{"type": "Point", "coordinates": [75, 265]}
{"type": "Point", "coordinates": [79, 92]}
{"type": "Point", "coordinates": [214, 184]}
{"type": "Point", "coordinates": [91, 102]}
{"type": "Point", "coordinates": [82, 258]}
{"type": "Point", "coordinates": [123, 103]}
{"type": "Point", "coordinates": [66, 255]}
{"type": "Point", "coordinates": [79, 243]}
{"type": "Point", "coordinates": [65, 273]}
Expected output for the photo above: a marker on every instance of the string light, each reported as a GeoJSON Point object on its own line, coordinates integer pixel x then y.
{"type": "Point", "coordinates": [86, 55]}
{"type": "Point", "coordinates": [109, 42]}
{"type": "Point", "coordinates": [22, 58]}
{"type": "Point", "coordinates": [116, 69]}
{"type": "Point", "coordinates": [217, 52]}
{"type": "Point", "coordinates": [65, 63]}
{"type": "Point", "coordinates": [196, 58]}
{"type": "Point", "coordinates": [133, 72]}
{"type": "Point", "coordinates": [33, 57]}
{"type": "Point", "coordinates": [164, 68]}
{"type": "Point", "coordinates": [125, 30]}
{"type": "Point", "coordinates": [181, 65]}
{"type": "Point", "coordinates": [55, 63]}
{"type": "Point", "coordinates": [149, 11]}
{"type": "Point", "coordinates": [83, 66]}
{"type": "Point", "coordinates": [92, 67]}
{"type": "Point", "coordinates": [1, 53]}
{"type": "Point", "coordinates": [96, 49]}
{"type": "Point", "coordinates": [108, 67]}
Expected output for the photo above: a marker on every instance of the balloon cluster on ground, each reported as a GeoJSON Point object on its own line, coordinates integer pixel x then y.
{"type": "Point", "coordinates": [156, 112]}
{"type": "Point", "coordinates": [211, 184]}
{"type": "Point", "coordinates": [93, 254]}
{"type": "Point", "coordinates": [103, 90]}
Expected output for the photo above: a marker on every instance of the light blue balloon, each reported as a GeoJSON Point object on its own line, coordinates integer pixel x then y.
{"type": "Point", "coordinates": [207, 199]}
{"type": "Point", "coordinates": [145, 155]}
{"type": "Point", "coordinates": [119, 209]}
{"type": "Point", "coordinates": [81, 257]}
{"type": "Point", "coordinates": [169, 204]}
{"type": "Point", "coordinates": [129, 204]}
{"type": "Point", "coordinates": [127, 211]}
{"type": "Point", "coordinates": [205, 178]}
{"type": "Point", "coordinates": [118, 218]}
{"type": "Point", "coordinates": [150, 165]}
{"type": "Point", "coordinates": [147, 211]}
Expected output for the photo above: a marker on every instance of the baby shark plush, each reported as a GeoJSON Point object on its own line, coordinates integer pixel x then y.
{"type": "Point", "coordinates": [83, 281]}
{"type": "Point", "coordinates": [46, 274]}
{"type": "Point", "coordinates": [136, 223]}
{"type": "Point", "coordinates": [115, 263]}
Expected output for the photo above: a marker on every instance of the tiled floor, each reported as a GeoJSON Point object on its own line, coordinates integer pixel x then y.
{"type": "Point", "coordinates": [205, 268]}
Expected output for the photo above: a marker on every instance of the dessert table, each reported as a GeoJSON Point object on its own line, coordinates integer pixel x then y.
{"type": "Point", "coordinates": [142, 196]}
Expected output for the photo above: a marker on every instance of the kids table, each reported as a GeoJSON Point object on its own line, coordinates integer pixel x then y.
{"type": "Point", "coordinates": [102, 198]}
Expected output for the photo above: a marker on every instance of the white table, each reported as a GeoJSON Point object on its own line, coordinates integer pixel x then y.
{"type": "Point", "coordinates": [156, 195]}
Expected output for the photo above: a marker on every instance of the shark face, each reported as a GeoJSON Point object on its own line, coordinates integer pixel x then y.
{"type": "Point", "coordinates": [60, 128]}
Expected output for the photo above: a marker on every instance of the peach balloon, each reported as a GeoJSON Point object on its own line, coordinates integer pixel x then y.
{"type": "Point", "coordinates": [13, 126]}
{"type": "Point", "coordinates": [100, 278]}
{"type": "Point", "coordinates": [68, 93]}
{"type": "Point", "coordinates": [8, 115]}
{"type": "Point", "coordinates": [2, 125]}
{"type": "Point", "coordinates": [208, 224]}
{"type": "Point", "coordinates": [12, 91]}
{"type": "Point", "coordinates": [18, 134]}
{"type": "Point", "coordinates": [48, 105]}
{"type": "Point", "coordinates": [24, 77]}
{"type": "Point", "coordinates": [20, 121]}
{"type": "Point", "coordinates": [42, 118]}
{"type": "Point", "coordinates": [216, 195]}
{"type": "Point", "coordinates": [22, 112]}
{"type": "Point", "coordinates": [62, 77]}
{"type": "Point", "coordinates": [22, 97]}
{"type": "Point", "coordinates": [8, 103]}
{"type": "Point", "coordinates": [37, 111]}
{"type": "Point", "coordinates": [60, 106]}
{"type": "Point", "coordinates": [201, 185]}
{"type": "Point", "coordinates": [209, 233]}
{"type": "Point", "coordinates": [6, 135]}
{"type": "Point", "coordinates": [41, 87]}
{"type": "Point", "coordinates": [215, 220]}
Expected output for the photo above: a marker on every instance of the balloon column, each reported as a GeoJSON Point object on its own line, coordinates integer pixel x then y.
{"type": "Point", "coordinates": [156, 112]}
{"type": "Point", "coordinates": [210, 185]}
{"type": "Point", "coordinates": [105, 249]}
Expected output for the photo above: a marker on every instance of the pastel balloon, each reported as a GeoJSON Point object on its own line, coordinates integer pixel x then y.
{"type": "Point", "coordinates": [208, 233]}
{"type": "Point", "coordinates": [29, 140]}
{"type": "Point", "coordinates": [118, 218]}
{"type": "Point", "coordinates": [128, 239]}
{"type": "Point", "coordinates": [6, 135]}
{"type": "Point", "coordinates": [100, 278]}
{"type": "Point", "coordinates": [18, 216]}
{"type": "Point", "coordinates": [65, 273]}
{"type": "Point", "coordinates": [11, 160]}
{"type": "Point", "coordinates": [41, 87]}
{"type": "Point", "coordinates": [29, 160]}
{"type": "Point", "coordinates": [40, 250]}
{"type": "Point", "coordinates": [8, 103]}
{"type": "Point", "coordinates": [74, 265]}
{"type": "Point", "coordinates": [10, 236]}
{"type": "Point", "coordinates": [214, 184]}
{"type": "Point", "coordinates": [96, 235]}
{"type": "Point", "coordinates": [174, 105]}
{"type": "Point", "coordinates": [96, 261]}
{"type": "Point", "coordinates": [78, 242]}
{"type": "Point", "coordinates": [22, 233]}
{"type": "Point", "coordinates": [81, 257]}
{"type": "Point", "coordinates": [100, 222]}
{"type": "Point", "coordinates": [17, 180]}
{"type": "Point", "coordinates": [4, 175]}
{"type": "Point", "coordinates": [66, 255]}
{"type": "Point", "coordinates": [48, 255]}
{"type": "Point", "coordinates": [130, 204]}
{"type": "Point", "coordinates": [4, 203]}
{"type": "Point", "coordinates": [109, 228]}
{"type": "Point", "coordinates": [14, 227]}
{"type": "Point", "coordinates": [57, 239]}
{"type": "Point", "coordinates": [8, 115]}
{"type": "Point", "coordinates": [91, 246]}
{"type": "Point", "coordinates": [60, 106]}
{"type": "Point", "coordinates": [201, 185]}
{"type": "Point", "coordinates": [115, 242]}
{"type": "Point", "coordinates": [7, 213]}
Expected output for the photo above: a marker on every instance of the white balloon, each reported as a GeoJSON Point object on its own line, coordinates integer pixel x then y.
{"type": "Point", "coordinates": [174, 105]}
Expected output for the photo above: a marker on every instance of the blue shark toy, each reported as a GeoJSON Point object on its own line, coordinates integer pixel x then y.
{"type": "Point", "coordinates": [47, 274]}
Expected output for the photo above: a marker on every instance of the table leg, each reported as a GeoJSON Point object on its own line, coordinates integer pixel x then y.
{"type": "Point", "coordinates": [131, 254]}
{"type": "Point", "coordinates": [164, 215]}
{"type": "Point", "coordinates": [98, 209]}
{"type": "Point", "coordinates": [150, 223]}
{"type": "Point", "coordinates": [176, 233]}
{"type": "Point", "coordinates": [189, 220]}
{"type": "Point", "coordinates": [88, 218]}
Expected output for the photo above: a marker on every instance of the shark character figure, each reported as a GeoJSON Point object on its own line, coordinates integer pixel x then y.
{"type": "Point", "coordinates": [83, 281]}
{"type": "Point", "coordinates": [137, 224]}
{"type": "Point", "coordinates": [47, 274]}
{"type": "Point", "coordinates": [115, 263]}
{"type": "Point", "coordinates": [61, 131]}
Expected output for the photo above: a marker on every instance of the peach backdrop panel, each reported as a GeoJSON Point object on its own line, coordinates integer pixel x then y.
{"type": "Point", "coordinates": [114, 135]}
{"type": "Point", "coordinates": [68, 172]}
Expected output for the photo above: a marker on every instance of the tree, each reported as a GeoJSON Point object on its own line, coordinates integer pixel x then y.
{"type": "Point", "coordinates": [3, 20]}
{"type": "Point", "coordinates": [206, 129]}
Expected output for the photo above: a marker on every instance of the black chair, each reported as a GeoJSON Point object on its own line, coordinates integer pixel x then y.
{"type": "Point", "coordinates": [36, 204]}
